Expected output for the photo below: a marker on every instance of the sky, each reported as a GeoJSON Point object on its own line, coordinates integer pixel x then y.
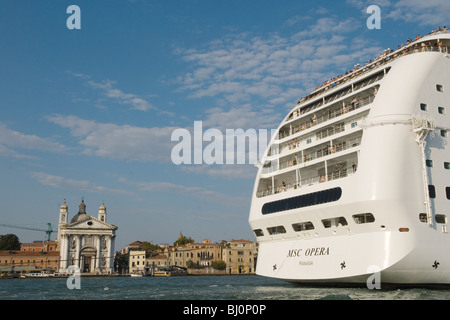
{"type": "Point", "coordinates": [88, 113]}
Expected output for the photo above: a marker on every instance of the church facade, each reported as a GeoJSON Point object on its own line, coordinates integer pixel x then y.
{"type": "Point", "coordinates": [86, 242]}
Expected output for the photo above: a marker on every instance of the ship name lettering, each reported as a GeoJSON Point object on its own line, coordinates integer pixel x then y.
{"type": "Point", "coordinates": [320, 251]}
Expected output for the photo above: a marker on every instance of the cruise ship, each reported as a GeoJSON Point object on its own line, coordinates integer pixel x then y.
{"type": "Point", "coordinates": [355, 184]}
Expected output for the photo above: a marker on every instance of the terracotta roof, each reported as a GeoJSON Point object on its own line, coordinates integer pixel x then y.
{"type": "Point", "coordinates": [159, 256]}
{"type": "Point", "coordinates": [17, 253]}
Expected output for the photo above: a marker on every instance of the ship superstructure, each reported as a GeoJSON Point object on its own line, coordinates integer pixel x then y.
{"type": "Point", "coordinates": [357, 177]}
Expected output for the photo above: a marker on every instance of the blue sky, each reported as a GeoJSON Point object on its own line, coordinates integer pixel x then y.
{"type": "Point", "coordinates": [89, 113]}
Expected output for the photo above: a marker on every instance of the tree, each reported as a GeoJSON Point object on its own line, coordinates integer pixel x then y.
{"type": "Point", "coordinates": [219, 265]}
{"type": "Point", "coordinates": [121, 262]}
{"type": "Point", "coordinates": [9, 242]}
{"type": "Point", "coordinates": [182, 240]}
{"type": "Point", "coordinates": [148, 246]}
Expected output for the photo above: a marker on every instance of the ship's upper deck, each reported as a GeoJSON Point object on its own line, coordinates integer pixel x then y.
{"type": "Point", "coordinates": [436, 41]}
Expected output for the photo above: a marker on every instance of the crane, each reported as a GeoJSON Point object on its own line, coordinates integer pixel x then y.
{"type": "Point", "coordinates": [48, 232]}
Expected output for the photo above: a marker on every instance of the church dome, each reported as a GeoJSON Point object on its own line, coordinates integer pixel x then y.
{"type": "Point", "coordinates": [81, 215]}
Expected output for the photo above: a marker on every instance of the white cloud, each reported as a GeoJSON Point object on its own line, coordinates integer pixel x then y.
{"type": "Point", "coordinates": [11, 140]}
{"type": "Point", "coordinates": [242, 68]}
{"type": "Point", "coordinates": [191, 191]}
{"type": "Point", "coordinates": [73, 184]}
{"type": "Point", "coordinates": [228, 171]}
{"type": "Point", "coordinates": [241, 117]}
{"type": "Point", "coordinates": [114, 141]}
{"type": "Point", "coordinates": [432, 12]}
{"type": "Point", "coordinates": [133, 100]}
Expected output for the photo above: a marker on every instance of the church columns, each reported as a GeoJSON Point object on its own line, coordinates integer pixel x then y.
{"type": "Point", "coordinates": [98, 261]}
{"type": "Point", "coordinates": [77, 261]}
{"type": "Point", "coordinates": [108, 255]}
{"type": "Point", "coordinates": [64, 252]}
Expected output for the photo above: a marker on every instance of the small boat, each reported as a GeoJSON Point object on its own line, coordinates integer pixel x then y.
{"type": "Point", "coordinates": [35, 275]}
{"type": "Point", "coordinates": [137, 275]}
{"type": "Point", "coordinates": [59, 275]}
{"type": "Point", "coordinates": [161, 273]}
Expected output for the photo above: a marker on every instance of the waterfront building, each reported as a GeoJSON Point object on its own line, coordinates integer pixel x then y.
{"type": "Point", "coordinates": [17, 260]}
{"type": "Point", "coordinates": [135, 245]}
{"type": "Point", "coordinates": [203, 254]}
{"type": "Point", "coordinates": [194, 254]}
{"type": "Point", "coordinates": [39, 246]}
{"type": "Point", "coordinates": [136, 261]}
{"type": "Point", "coordinates": [240, 256]}
{"type": "Point", "coordinates": [158, 261]}
{"type": "Point", "coordinates": [85, 241]}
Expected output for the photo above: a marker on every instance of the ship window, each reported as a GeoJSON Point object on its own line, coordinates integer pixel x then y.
{"type": "Point", "coordinates": [429, 163]}
{"type": "Point", "coordinates": [443, 133]}
{"type": "Point", "coordinates": [305, 200]}
{"type": "Point", "coordinates": [441, 110]}
{"type": "Point", "coordinates": [276, 230]}
{"type": "Point", "coordinates": [447, 165]}
{"type": "Point", "coordinates": [363, 218]}
{"type": "Point", "coordinates": [258, 232]}
{"type": "Point", "coordinates": [334, 222]}
{"type": "Point", "coordinates": [423, 217]}
{"type": "Point", "coordinates": [303, 226]}
{"type": "Point", "coordinates": [440, 218]}
{"type": "Point", "coordinates": [440, 87]}
{"type": "Point", "coordinates": [423, 107]}
{"type": "Point", "coordinates": [447, 192]}
{"type": "Point", "coordinates": [432, 191]}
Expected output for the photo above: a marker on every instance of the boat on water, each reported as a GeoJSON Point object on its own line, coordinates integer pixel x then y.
{"type": "Point", "coordinates": [37, 274]}
{"type": "Point", "coordinates": [356, 180]}
{"type": "Point", "coordinates": [162, 273]}
{"type": "Point", "coordinates": [136, 275]}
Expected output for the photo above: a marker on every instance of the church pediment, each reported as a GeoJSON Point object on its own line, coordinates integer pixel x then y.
{"type": "Point", "coordinates": [89, 222]}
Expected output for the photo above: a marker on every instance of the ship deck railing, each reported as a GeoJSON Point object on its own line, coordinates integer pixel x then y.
{"type": "Point", "coordinates": [332, 114]}
{"type": "Point", "coordinates": [316, 154]}
{"type": "Point", "coordinates": [289, 186]}
{"type": "Point", "coordinates": [414, 47]}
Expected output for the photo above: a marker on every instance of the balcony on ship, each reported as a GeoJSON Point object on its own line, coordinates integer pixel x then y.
{"type": "Point", "coordinates": [328, 140]}
{"type": "Point", "coordinates": [316, 173]}
{"type": "Point", "coordinates": [335, 110]}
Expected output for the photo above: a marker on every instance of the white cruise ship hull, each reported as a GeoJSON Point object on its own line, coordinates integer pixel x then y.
{"type": "Point", "coordinates": [362, 195]}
